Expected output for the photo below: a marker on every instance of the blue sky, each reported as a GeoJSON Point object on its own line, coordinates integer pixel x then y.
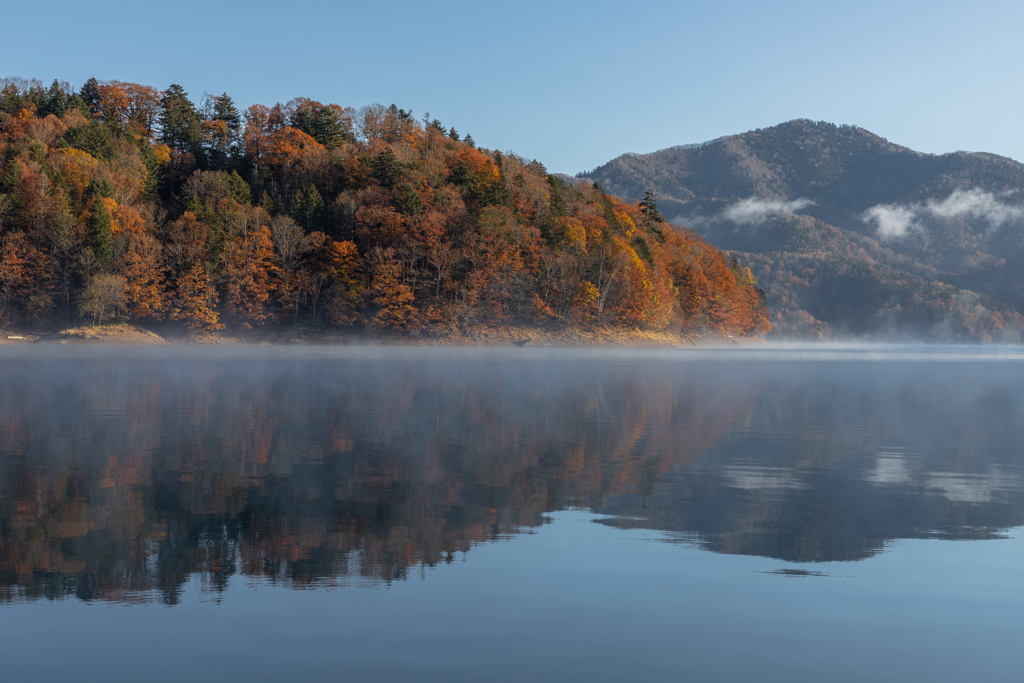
{"type": "Point", "coordinates": [572, 84]}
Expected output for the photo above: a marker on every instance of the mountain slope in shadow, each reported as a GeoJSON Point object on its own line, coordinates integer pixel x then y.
{"type": "Point", "coordinates": [849, 233]}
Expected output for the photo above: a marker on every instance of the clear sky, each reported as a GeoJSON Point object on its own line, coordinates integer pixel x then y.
{"type": "Point", "coordinates": [572, 84]}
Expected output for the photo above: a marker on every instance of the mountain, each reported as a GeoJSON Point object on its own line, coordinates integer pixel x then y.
{"type": "Point", "coordinates": [849, 233]}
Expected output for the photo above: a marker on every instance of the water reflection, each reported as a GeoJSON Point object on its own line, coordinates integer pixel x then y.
{"type": "Point", "coordinates": [124, 475]}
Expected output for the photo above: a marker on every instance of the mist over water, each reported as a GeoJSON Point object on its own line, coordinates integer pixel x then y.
{"type": "Point", "coordinates": [636, 494]}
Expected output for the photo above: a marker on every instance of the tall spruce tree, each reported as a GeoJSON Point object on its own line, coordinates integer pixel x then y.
{"type": "Point", "coordinates": [56, 100]}
{"type": "Point", "coordinates": [324, 124]}
{"type": "Point", "coordinates": [224, 110]}
{"type": "Point", "coordinates": [90, 94]}
{"type": "Point", "coordinates": [387, 169]}
{"type": "Point", "coordinates": [180, 126]}
{"type": "Point", "coordinates": [309, 209]}
{"type": "Point", "coordinates": [649, 207]}
{"type": "Point", "coordinates": [11, 99]}
{"type": "Point", "coordinates": [221, 141]}
{"type": "Point", "coordinates": [101, 230]}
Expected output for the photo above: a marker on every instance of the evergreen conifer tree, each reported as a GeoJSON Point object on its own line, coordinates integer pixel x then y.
{"type": "Point", "coordinates": [101, 233]}
{"type": "Point", "coordinates": [10, 193]}
{"type": "Point", "coordinates": [56, 100]}
{"type": "Point", "coordinates": [323, 124]}
{"type": "Point", "coordinates": [224, 110]}
{"type": "Point", "coordinates": [90, 94]}
{"type": "Point", "coordinates": [179, 122]}
{"type": "Point", "coordinates": [11, 181]}
{"type": "Point", "coordinates": [309, 209]}
{"type": "Point", "coordinates": [387, 169]}
{"type": "Point", "coordinates": [11, 99]}
{"type": "Point", "coordinates": [650, 208]}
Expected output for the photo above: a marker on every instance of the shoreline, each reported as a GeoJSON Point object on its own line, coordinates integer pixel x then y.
{"type": "Point", "coordinates": [475, 336]}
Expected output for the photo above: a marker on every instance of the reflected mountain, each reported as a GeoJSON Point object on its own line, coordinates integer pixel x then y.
{"type": "Point", "coordinates": [836, 460]}
{"type": "Point", "coordinates": [125, 475]}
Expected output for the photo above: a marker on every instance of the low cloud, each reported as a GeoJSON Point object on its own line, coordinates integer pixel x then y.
{"type": "Point", "coordinates": [976, 204]}
{"type": "Point", "coordinates": [757, 210]}
{"type": "Point", "coordinates": [894, 220]}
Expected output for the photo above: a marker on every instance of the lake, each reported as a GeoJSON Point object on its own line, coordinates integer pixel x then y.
{"type": "Point", "coordinates": [839, 513]}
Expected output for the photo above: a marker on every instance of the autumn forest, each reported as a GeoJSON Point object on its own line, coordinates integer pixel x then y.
{"type": "Point", "coordinates": [122, 202]}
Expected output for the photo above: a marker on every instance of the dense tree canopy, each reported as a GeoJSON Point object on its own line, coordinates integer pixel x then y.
{"type": "Point", "coordinates": [316, 214]}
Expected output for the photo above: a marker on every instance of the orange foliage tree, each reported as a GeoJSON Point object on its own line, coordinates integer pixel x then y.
{"type": "Point", "coordinates": [390, 296]}
{"type": "Point", "coordinates": [20, 271]}
{"type": "Point", "coordinates": [249, 269]}
{"type": "Point", "coordinates": [193, 297]}
{"type": "Point", "coordinates": [143, 271]}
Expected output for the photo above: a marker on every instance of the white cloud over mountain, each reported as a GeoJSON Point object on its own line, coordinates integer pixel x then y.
{"type": "Point", "coordinates": [898, 220]}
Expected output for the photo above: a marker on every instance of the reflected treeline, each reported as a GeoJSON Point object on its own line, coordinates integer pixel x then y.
{"type": "Point", "coordinates": [124, 479]}
{"type": "Point", "coordinates": [127, 478]}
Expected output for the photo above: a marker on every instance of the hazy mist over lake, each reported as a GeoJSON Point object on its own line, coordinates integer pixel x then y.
{"type": "Point", "coordinates": [819, 513]}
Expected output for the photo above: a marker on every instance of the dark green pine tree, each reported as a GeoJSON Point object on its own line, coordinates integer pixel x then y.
{"type": "Point", "coordinates": [649, 207]}
{"type": "Point", "coordinates": [93, 138]}
{"type": "Point", "coordinates": [304, 119]}
{"type": "Point", "coordinates": [90, 94]}
{"type": "Point", "coordinates": [11, 99]}
{"type": "Point", "coordinates": [494, 190]}
{"type": "Point", "coordinates": [557, 207]}
{"type": "Point", "coordinates": [180, 127]}
{"type": "Point", "coordinates": [37, 152]}
{"type": "Point", "coordinates": [10, 192]}
{"type": "Point", "coordinates": [75, 101]}
{"type": "Point", "coordinates": [239, 189]}
{"type": "Point", "coordinates": [323, 124]}
{"type": "Point", "coordinates": [11, 181]}
{"type": "Point", "coordinates": [462, 176]}
{"type": "Point", "coordinates": [556, 200]}
{"type": "Point", "coordinates": [387, 169]}
{"type": "Point", "coordinates": [224, 110]}
{"type": "Point", "coordinates": [309, 209]}
{"type": "Point", "coordinates": [101, 234]}
{"type": "Point", "coordinates": [407, 200]}
{"type": "Point", "coordinates": [38, 96]}
{"type": "Point", "coordinates": [154, 169]}
{"type": "Point", "coordinates": [330, 128]}
{"type": "Point", "coordinates": [222, 149]}
{"type": "Point", "coordinates": [267, 203]}
{"type": "Point", "coordinates": [57, 101]}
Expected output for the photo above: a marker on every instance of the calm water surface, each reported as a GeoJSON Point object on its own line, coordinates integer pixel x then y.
{"type": "Point", "coordinates": [267, 514]}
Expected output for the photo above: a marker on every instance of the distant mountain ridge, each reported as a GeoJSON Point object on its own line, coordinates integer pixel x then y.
{"type": "Point", "coordinates": [848, 232]}
{"type": "Point", "coordinates": [802, 158]}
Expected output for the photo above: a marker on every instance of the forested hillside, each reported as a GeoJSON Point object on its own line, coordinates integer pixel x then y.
{"type": "Point", "coordinates": [122, 201]}
{"type": "Point", "coordinates": [849, 233]}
